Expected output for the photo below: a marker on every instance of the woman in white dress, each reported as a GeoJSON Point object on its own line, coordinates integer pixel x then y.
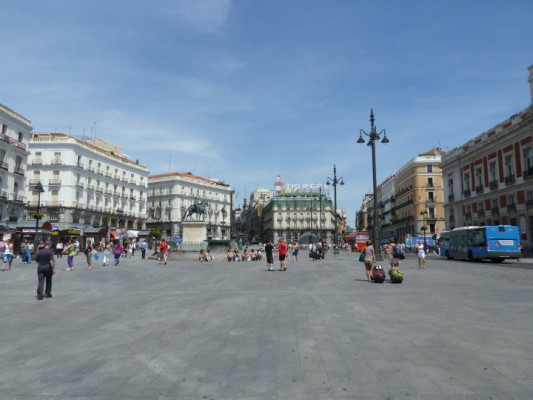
{"type": "Point", "coordinates": [421, 254]}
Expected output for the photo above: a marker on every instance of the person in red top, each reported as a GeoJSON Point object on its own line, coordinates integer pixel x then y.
{"type": "Point", "coordinates": [163, 251]}
{"type": "Point", "coordinates": [282, 252]}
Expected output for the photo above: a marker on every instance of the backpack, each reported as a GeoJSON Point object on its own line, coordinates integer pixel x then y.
{"type": "Point", "coordinates": [397, 252]}
{"type": "Point", "coordinates": [396, 275]}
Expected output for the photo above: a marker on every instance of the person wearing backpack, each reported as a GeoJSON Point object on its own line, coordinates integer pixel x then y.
{"type": "Point", "coordinates": [397, 254]}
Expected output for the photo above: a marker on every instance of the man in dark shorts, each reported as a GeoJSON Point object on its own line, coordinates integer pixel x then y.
{"type": "Point", "coordinates": [282, 251]}
{"type": "Point", "coordinates": [45, 270]}
{"type": "Point", "coordinates": [268, 252]}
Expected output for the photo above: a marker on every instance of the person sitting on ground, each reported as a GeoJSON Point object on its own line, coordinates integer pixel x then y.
{"type": "Point", "coordinates": [258, 255]}
{"type": "Point", "coordinates": [236, 256]}
{"type": "Point", "coordinates": [396, 274]}
{"type": "Point", "coordinates": [245, 255]}
{"type": "Point", "coordinates": [253, 255]}
{"type": "Point", "coordinates": [208, 255]}
{"type": "Point", "coordinates": [229, 255]}
{"type": "Point", "coordinates": [201, 256]}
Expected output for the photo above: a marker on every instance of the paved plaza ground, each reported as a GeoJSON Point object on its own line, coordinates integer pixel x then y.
{"type": "Point", "coordinates": [221, 330]}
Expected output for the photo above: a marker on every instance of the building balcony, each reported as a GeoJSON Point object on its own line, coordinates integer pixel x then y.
{"type": "Point", "coordinates": [56, 161]}
{"type": "Point", "coordinates": [479, 189]}
{"type": "Point", "coordinates": [90, 187]}
{"type": "Point", "coordinates": [37, 161]}
{"type": "Point", "coordinates": [493, 185]}
{"type": "Point", "coordinates": [529, 203]}
{"type": "Point", "coordinates": [19, 171]}
{"type": "Point", "coordinates": [3, 194]}
{"type": "Point", "coordinates": [100, 171]}
{"type": "Point", "coordinates": [32, 182]}
{"type": "Point", "coordinates": [509, 179]}
{"type": "Point", "coordinates": [79, 185]}
{"type": "Point", "coordinates": [79, 165]}
{"type": "Point", "coordinates": [13, 142]}
{"type": "Point", "coordinates": [481, 213]}
{"type": "Point", "coordinates": [467, 193]}
{"type": "Point", "coordinates": [3, 165]}
{"type": "Point", "coordinates": [511, 207]}
{"type": "Point", "coordinates": [495, 212]}
{"type": "Point", "coordinates": [451, 197]}
{"type": "Point", "coordinates": [18, 198]}
{"type": "Point", "coordinates": [54, 182]}
{"type": "Point", "coordinates": [90, 168]}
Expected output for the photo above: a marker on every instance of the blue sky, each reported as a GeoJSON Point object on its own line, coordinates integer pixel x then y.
{"type": "Point", "coordinates": [244, 90]}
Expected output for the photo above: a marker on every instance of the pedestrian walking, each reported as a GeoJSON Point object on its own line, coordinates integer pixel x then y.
{"type": "Point", "coordinates": [89, 254]}
{"type": "Point", "coordinates": [143, 246]}
{"type": "Point", "coordinates": [8, 255]}
{"type": "Point", "coordinates": [106, 251]}
{"type": "Point", "coordinates": [59, 249]}
{"type": "Point", "coordinates": [370, 258]}
{"type": "Point", "coordinates": [295, 250]}
{"type": "Point", "coordinates": [117, 251]}
{"type": "Point", "coordinates": [25, 251]}
{"type": "Point", "coordinates": [421, 254]}
{"type": "Point", "coordinates": [269, 248]}
{"type": "Point", "coordinates": [163, 250]}
{"type": "Point", "coordinates": [45, 270]}
{"type": "Point", "coordinates": [282, 254]}
{"type": "Point", "coordinates": [70, 251]}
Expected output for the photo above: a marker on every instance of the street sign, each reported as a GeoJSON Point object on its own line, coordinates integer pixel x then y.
{"type": "Point", "coordinates": [177, 239]}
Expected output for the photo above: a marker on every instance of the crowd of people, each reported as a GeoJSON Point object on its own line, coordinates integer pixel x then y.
{"type": "Point", "coordinates": [105, 251]}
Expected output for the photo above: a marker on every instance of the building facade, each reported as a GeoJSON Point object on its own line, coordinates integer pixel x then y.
{"type": "Point", "coordinates": [170, 195]}
{"type": "Point", "coordinates": [15, 131]}
{"type": "Point", "coordinates": [87, 183]}
{"type": "Point", "coordinates": [408, 201]}
{"type": "Point", "coordinates": [489, 180]}
{"type": "Point", "coordinates": [302, 217]}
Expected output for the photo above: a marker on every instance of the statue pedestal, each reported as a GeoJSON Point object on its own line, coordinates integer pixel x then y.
{"type": "Point", "coordinates": [194, 232]}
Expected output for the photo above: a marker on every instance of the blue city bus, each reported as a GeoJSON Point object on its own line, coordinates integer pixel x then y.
{"type": "Point", "coordinates": [496, 243]}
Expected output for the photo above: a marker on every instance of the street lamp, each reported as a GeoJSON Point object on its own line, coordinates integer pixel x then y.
{"type": "Point", "coordinates": [334, 182]}
{"type": "Point", "coordinates": [373, 136]}
{"type": "Point", "coordinates": [424, 227]}
{"type": "Point", "coordinates": [39, 188]}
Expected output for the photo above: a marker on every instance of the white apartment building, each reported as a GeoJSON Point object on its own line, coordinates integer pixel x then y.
{"type": "Point", "coordinates": [170, 195]}
{"type": "Point", "coordinates": [87, 183]}
{"type": "Point", "coordinates": [15, 130]}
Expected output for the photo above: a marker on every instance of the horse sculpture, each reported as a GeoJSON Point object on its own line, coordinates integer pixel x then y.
{"type": "Point", "coordinates": [198, 208]}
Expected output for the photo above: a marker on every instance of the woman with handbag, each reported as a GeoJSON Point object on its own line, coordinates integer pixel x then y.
{"type": "Point", "coordinates": [369, 259]}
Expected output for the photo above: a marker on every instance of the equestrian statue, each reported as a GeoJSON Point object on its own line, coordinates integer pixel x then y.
{"type": "Point", "coordinates": [199, 208]}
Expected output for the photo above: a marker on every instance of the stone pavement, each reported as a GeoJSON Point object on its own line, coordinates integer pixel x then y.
{"type": "Point", "coordinates": [222, 330]}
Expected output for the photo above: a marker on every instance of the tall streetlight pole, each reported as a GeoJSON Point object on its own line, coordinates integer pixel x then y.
{"type": "Point", "coordinates": [40, 189]}
{"type": "Point", "coordinates": [334, 182]}
{"type": "Point", "coordinates": [424, 227]}
{"type": "Point", "coordinates": [320, 215]}
{"type": "Point", "coordinates": [374, 136]}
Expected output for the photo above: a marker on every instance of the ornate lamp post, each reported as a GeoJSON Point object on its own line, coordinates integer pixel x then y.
{"type": "Point", "coordinates": [40, 189]}
{"type": "Point", "coordinates": [424, 227]}
{"type": "Point", "coordinates": [374, 136]}
{"type": "Point", "coordinates": [335, 182]}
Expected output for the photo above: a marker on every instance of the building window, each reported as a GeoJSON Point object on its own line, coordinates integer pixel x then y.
{"type": "Point", "coordinates": [528, 161]}
{"type": "Point", "coordinates": [479, 177]}
{"type": "Point", "coordinates": [430, 182]}
{"type": "Point", "coordinates": [429, 168]}
{"type": "Point", "coordinates": [431, 196]}
{"type": "Point", "coordinates": [509, 168]}
{"type": "Point", "coordinates": [467, 184]}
